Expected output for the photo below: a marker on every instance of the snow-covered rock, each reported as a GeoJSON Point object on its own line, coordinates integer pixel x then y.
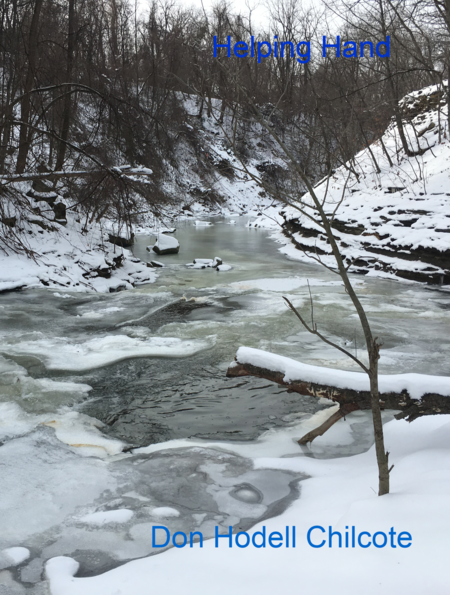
{"type": "Point", "coordinates": [70, 257]}
{"type": "Point", "coordinates": [13, 556]}
{"type": "Point", "coordinates": [205, 263]}
{"type": "Point", "coordinates": [394, 223]}
{"type": "Point", "coordinates": [166, 245]}
{"type": "Point", "coordinates": [203, 224]}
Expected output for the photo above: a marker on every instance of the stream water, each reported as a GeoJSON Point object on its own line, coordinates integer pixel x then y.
{"type": "Point", "coordinates": [149, 364]}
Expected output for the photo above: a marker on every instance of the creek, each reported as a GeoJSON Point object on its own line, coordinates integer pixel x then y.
{"type": "Point", "coordinates": [85, 376]}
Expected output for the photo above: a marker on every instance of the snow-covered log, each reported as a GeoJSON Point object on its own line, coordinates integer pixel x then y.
{"type": "Point", "coordinates": [56, 175]}
{"type": "Point", "coordinates": [414, 395]}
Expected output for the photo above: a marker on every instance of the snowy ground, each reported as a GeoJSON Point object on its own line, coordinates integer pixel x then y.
{"type": "Point", "coordinates": [390, 224]}
{"type": "Point", "coordinates": [339, 493]}
{"type": "Point", "coordinates": [77, 255]}
{"type": "Point", "coordinates": [67, 258]}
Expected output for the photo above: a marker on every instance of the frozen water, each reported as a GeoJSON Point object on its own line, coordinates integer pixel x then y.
{"type": "Point", "coordinates": [13, 556]}
{"type": "Point", "coordinates": [247, 493]}
{"type": "Point", "coordinates": [203, 224]}
{"type": "Point", "coordinates": [70, 364]}
{"type": "Point", "coordinates": [61, 354]}
{"type": "Point", "coordinates": [61, 503]}
{"type": "Point", "coordinates": [164, 512]}
{"type": "Point", "coordinates": [121, 515]}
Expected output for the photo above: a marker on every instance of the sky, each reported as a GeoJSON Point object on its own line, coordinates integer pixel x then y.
{"type": "Point", "coordinates": [259, 14]}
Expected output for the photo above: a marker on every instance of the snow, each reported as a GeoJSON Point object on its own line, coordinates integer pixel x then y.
{"type": "Point", "coordinates": [417, 385]}
{"type": "Point", "coordinates": [282, 284]}
{"type": "Point", "coordinates": [63, 354]}
{"type": "Point", "coordinates": [70, 259]}
{"type": "Point", "coordinates": [396, 233]}
{"type": "Point", "coordinates": [121, 515]}
{"type": "Point", "coordinates": [164, 512]}
{"type": "Point", "coordinates": [339, 493]}
{"type": "Point", "coordinates": [72, 428]}
{"type": "Point", "coordinates": [269, 218]}
{"type": "Point", "coordinates": [13, 556]}
{"type": "Point", "coordinates": [68, 486]}
{"type": "Point", "coordinates": [165, 242]}
{"type": "Point", "coordinates": [206, 263]}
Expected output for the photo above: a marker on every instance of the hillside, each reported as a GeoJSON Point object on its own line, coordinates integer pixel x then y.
{"type": "Point", "coordinates": [51, 236]}
{"type": "Point", "coordinates": [394, 223]}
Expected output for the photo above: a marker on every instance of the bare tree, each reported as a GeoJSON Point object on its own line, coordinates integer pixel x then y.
{"type": "Point", "coordinates": [314, 207]}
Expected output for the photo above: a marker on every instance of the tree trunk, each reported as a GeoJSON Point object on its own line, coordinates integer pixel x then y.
{"type": "Point", "coordinates": [68, 98]}
{"type": "Point", "coordinates": [25, 105]}
{"type": "Point", "coordinates": [382, 456]}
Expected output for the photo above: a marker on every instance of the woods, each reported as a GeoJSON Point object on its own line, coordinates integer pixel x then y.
{"type": "Point", "coordinates": [87, 83]}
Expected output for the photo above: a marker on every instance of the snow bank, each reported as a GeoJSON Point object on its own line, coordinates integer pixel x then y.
{"type": "Point", "coordinates": [70, 259]}
{"type": "Point", "coordinates": [393, 223]}
{"type": "Point", "coordinates": [339, 493]}
{"type": "Point", "coordinates": [417, 385]}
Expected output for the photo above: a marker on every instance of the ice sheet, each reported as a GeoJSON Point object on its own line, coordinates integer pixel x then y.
{"type": "Point", "coordinates": [63, 354]}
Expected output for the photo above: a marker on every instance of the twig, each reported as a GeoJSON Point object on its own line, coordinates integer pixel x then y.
{"type": "Point", "coordinates": [314, 331]}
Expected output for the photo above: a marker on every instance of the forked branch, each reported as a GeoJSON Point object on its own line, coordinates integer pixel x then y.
{"type": "Point", "coordinates": [314, 331]}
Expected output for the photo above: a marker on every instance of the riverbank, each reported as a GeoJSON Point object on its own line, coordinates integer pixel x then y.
{"type": "Point", "coordinates": [389, 210]}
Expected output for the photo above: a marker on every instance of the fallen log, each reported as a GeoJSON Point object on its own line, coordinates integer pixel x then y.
{"type": "Point", "coordinates": [413, 395]}
{"type": "Point", "coordinates": [124, 170]}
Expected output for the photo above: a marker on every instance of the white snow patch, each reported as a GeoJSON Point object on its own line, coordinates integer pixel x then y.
{"type": "Point", "coordinates": [121, 515]}
{"type": "Point", "coordinates": [61, 354]}
{"type": "Point", "coordinates": [165, 512]}
{"type": "Point", "coordinates": [420, 489]}
{"type": "Point", "coordinates": [203, 224]}
{"type": "Point", "coordinates": [13, 556]}
{"type": "Point", "coordinates": [417, 385]}
{"type": "Point", "coordinates": [282, 284]}
{"type": "Point", "coordinates": [165, 242]}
